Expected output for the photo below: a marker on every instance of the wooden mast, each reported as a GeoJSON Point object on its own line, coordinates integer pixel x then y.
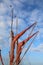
{"type": "Point", "coordinates": [11, 17]}
{"type": "Point", "coordinates": [12, 33]}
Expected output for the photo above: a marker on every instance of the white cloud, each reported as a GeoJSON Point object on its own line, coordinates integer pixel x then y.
{"type": "Point", "coordinates": [2, 25]}
{"type": "Point", "coordinates": [2, 43]}
{"type": "Point", "coordinates": [34, 15]}
{"type": "Point", "coordinates": [20, 22]}
{"type": "Point", "coordinates": [7, 2]}
{"type": "Point", "coordinates": [3, 9]}
{"type": "Point", "coordinates": [16, 2]}
{"type": "Point", "coordinates": [0, 37]}
{"type": "Point", "coordinates": [39, 48]}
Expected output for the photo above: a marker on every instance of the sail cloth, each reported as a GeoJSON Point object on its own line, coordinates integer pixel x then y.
{"type": "Point", "coordinates": [27, 48]}
{"type": "Point", "coordinates": [20, 48]}
{"type": "Point", "coordinates": [14, 40]}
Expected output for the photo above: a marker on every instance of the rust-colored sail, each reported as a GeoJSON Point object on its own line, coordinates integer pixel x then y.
{"type": "Point", "coordinates": [21, 33]}
{"type": "Point", "coordinates": [13, 43]}
{"type": "Point", "coordinates": [28, 47]}
{"type": "Point", "coordinates": [19, 50]}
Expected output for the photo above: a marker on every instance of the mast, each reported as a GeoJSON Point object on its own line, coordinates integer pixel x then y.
{"type": "Point", "coordinates": [11, 16]}
{"type": "Point", "coordinates": [1, 58]}
{"type": "Point", "coordinates": [12, 34]}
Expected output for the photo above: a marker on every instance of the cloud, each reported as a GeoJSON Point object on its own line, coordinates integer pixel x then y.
{"type": "Point", "coordinates": [26, 12]}
{"type": "Point", "coordinates": [39, 48]}
{"type": "Point", "coordinates": [2, 43]}
{"type": "Point", "coordinates": [7, 2]}
{"type": "Point", "coordinates": [2, 25]}
{"type": "Point", "coordinates": [3, 9]}
{"type": "Point", "coordinates": [39, 4]}
{"type": "Point", "coordinates": [0, 37]}
{"type": "Point", "coordinates": [34, 15]}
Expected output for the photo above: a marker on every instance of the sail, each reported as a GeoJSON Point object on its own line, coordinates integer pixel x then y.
{"type": "Point", "coordinates": [19, 50]}
{"type": "Point", "coordinates": [15, 39]}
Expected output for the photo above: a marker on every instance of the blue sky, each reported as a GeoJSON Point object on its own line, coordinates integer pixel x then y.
{"type": "Point", "coordinates": [27, 12]}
